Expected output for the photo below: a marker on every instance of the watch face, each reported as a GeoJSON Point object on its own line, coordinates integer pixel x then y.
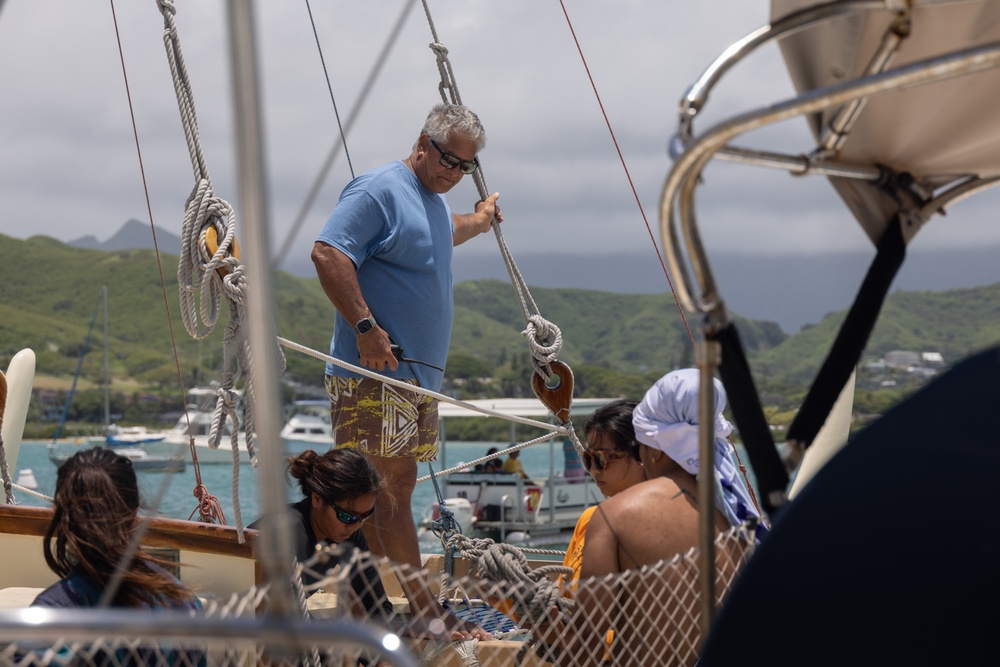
{"type": "Point", "coordinates": [364, 326]}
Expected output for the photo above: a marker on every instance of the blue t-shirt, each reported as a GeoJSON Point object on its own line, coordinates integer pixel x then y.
{"type": "Point", "coordinates": [399, 236]}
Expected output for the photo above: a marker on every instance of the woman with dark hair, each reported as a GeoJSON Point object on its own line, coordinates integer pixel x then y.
{"type": "Point", "coordinates": [89, 540]}
{"type": "Point", "coordinates": [339, 491]}
{"type": "Point", "coordinates": [612, 458]}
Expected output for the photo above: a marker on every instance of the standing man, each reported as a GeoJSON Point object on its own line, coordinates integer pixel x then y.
{"type": "Point", "coordinates": [384, 260]}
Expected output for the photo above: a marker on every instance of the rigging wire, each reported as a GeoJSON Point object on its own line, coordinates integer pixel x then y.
{"type": "Point", "coordinates": [331, 157]}
{"type": "Point", "coordinates": [203, 494]}
{"type": "Point", "coordinates": [652, 237]}
{"type": "Point", "coordinates": [628, 176]}
{"type": "Point", "coordinates": [329, 87]}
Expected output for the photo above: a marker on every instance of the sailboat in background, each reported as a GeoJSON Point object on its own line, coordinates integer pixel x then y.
{"type": "Point", "coordinates": [115, 435]}
{"type": "Point", "coordinates": [126, 441]}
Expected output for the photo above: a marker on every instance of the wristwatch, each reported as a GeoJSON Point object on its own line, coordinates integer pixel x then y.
{"type": "Point", "coordinates": [365, 325]}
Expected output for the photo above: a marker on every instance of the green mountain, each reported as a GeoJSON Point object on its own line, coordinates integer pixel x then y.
{"type": "Point", "coordinates": [615, 343]}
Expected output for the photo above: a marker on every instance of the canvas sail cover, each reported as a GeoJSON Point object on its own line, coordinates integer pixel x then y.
{"type": "Point", "coordinates": [940, 132]}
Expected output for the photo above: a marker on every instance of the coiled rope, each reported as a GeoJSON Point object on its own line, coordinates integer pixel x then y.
{"type": "Point", "coordinates": [210, 270]}
{"type": "Point", "coordinates": [501, 562]}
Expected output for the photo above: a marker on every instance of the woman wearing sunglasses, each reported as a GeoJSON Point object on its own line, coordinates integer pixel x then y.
{"type": "Point", "coordinates": [612, 459]}
{"type": "Point", "coordinates": [658, 520]}
{"type": "Point", "coordinates": [339, 491]}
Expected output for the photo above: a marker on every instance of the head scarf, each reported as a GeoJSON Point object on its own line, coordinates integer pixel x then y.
{"type": "Point", "coordinates": [667, 419]}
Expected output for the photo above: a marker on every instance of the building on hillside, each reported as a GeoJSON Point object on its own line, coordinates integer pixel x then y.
{"type": "Point", "coordinates": [902, 359]}
{"type": "Point", "coordinates": [932, 359]}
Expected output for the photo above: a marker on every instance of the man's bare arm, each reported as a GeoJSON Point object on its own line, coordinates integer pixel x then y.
{"type": "Point", "coordinates": [339, 278]}
{"type": "Point", "coordinates": [480, 222]}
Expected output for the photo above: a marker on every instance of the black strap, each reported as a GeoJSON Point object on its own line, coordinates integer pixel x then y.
{"type": "Point", "coordinates": [734, 371]}
{"type": "Point", "coordinates": [853, 337]}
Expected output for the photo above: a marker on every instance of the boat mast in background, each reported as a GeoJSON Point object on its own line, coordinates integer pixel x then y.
{"type": "Point", "coordinates": [107, 376]}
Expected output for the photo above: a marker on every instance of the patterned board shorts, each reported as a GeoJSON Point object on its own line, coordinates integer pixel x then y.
{"type": "Point", "coordinates": [381, 419]}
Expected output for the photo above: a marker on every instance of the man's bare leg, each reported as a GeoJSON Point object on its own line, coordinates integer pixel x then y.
{"type": "Point", "coordinates": [393, 527]}
{"type": "Point", "coordinates": [395, 534]}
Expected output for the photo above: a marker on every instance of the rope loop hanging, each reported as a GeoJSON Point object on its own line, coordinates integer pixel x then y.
{"type": "Point", "coordinates": [210, 270]}
{"type": "Point", "coordinates": [447, 87]}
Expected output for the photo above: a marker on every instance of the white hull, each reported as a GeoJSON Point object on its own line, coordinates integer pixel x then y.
{"type": "Point", "coordinates": [503, 506]}
{"type": "Point", "coordinates": [178, 444]}
{"type": "Point", "coordinates": [19, 378]}
{"type": "Point", "coordinates": [140, 458]}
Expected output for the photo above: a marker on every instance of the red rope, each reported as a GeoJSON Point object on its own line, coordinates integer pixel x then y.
{"type": "Point", "coordinates": [209, 510]}
{"type": "Point", "coordinates": [621, 158]}
{"type": "Point", "coordinates": [649, 230]}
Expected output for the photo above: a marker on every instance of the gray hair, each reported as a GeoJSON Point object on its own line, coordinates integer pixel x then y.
{"type": "Point", "coordinates": [447, 119]}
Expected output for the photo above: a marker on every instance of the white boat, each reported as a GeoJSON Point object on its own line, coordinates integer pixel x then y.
{"type": "Point", "coordinates": [127, 436]}
{"type": "Point", "coordinates": [195, 425]}
{"type": "Point", "coordinates": [140, 458]}
{"type": "Point", "coordinates": [539, 511]}
{"type": "Point", "coordinates": [308, 425]}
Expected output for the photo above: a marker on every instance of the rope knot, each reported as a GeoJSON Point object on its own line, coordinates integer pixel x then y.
{"type": "Point", "coordinates": [545, 342]}
{"type": "Point", "coordinates": [167, 5]}
{"type": "Point", "coordinates": [209, 509]}
{"type": "Point", "coordinates": [439, 49]}
{"type": "Point", "coordinates": [446, 525]}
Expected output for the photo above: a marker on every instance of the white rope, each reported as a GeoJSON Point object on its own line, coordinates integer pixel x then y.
{"type": "Point", "coordinates": [556, 428]}
{"type": "Point", "coordinates": [30, 492]}
{"type": "Point", "coordinates": [467, 652]}
{"type": "Point", "coordinates": [544, 337]}
{"type": "Point", "coordinates": [206, 278]}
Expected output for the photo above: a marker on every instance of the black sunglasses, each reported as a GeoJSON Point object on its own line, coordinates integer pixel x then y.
{"type": "Point", "coordinates": [450, 161]}
{"type": "Point", "coordinates": [600, 458]}
{"type": "Point", "coordinates": [350, 518]}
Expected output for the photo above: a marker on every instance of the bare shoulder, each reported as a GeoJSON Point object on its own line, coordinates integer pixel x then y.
{"type": "Point", "coordinates": [652, 493]}
{"type": "Point", "coordinates": [638, 504]}
{"type": "Point", "coordinates": [652, 520]}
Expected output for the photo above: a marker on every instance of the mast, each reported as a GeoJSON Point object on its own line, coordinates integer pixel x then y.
{"type": "Point", "coordinates": [275, 554]}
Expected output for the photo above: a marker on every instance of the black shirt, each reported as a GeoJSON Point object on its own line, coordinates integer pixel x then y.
{"type": "Point", "coordinates": [366, 583]}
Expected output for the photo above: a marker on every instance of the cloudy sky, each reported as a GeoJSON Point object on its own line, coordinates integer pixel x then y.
{"type": "Point", "coordinates": [69, 166]}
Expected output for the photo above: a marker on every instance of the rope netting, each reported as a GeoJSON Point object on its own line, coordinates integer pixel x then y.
{"type": "Point", "coordinates": [639, 617]}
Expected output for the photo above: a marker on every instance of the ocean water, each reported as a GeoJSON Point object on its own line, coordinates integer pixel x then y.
{"type": "Point", "coordinates": [172, 494]}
